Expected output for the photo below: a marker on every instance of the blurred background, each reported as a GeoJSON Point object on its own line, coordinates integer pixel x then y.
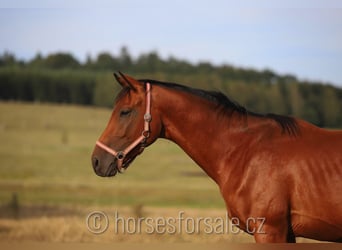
{"type": "Point", "coordinates": [57, 91]}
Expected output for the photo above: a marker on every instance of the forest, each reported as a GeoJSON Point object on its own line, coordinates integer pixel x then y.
{"type": "Point", "coordinates": [61, 78]}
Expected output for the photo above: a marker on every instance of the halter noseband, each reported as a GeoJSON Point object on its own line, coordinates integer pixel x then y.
{"type": "Point", "coordinates": [120, 155]}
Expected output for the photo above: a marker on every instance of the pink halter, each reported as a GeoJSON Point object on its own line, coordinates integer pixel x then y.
{"type": "Point", "coordinates": [120, 155]}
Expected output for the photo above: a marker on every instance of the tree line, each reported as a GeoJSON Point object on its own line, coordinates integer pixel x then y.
{"type": "Point", "coordinates": [61, 78]}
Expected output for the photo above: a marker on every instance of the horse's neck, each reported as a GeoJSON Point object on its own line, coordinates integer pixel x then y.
{"type": "Point", "coordinates": [195, 125]}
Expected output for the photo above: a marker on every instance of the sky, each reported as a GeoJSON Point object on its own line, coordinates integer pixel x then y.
{"type": "Point", "coordinates": [302, 38]}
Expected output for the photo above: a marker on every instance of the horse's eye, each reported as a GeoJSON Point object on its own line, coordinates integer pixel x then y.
{"type": "Point", "coordinates": [125, 112]}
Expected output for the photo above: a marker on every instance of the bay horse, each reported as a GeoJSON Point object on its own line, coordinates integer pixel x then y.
{"type": "Point", "coordinates": [269, 166]}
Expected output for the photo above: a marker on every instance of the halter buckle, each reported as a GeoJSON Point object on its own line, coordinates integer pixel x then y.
{"type": "Point", "coordinates": [147, 117]}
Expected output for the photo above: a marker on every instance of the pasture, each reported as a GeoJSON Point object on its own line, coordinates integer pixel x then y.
{"type": "Point", "coordinates": [47, 184]}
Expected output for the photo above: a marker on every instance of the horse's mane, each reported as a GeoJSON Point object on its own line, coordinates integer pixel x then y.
{"type": "Point", "coordinates": [287, 123]}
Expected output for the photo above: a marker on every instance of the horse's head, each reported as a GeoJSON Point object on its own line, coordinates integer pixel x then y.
{"type": "Point", "coordinates": [132, 127]}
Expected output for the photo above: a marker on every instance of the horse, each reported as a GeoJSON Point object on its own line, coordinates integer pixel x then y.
{"type": "Point", "coordinates": [275, 167]}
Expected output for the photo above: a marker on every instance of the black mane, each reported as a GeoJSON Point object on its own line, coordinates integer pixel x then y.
{"type": "Point", "coordinates": [288, 124]}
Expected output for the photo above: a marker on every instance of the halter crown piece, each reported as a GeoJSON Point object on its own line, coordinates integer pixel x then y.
{"type": "Point", "coordinates": [120, 155]}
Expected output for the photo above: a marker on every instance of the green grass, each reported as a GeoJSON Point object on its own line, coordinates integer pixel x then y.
{"type": "Point", "coordinates": [45, 158]}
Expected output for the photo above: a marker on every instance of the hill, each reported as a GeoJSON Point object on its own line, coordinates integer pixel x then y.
{"type": "Point", "coordinates": [60, 78]}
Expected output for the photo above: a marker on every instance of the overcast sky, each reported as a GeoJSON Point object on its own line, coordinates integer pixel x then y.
{"type": "Point", "coordinates": [303, 38]}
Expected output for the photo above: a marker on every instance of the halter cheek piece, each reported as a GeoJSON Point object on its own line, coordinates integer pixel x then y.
{"type": "Point", "coordinates": [120, 155]}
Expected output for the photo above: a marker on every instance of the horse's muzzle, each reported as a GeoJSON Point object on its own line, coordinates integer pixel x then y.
{"type": "Point", "coordinates": [104, 169]}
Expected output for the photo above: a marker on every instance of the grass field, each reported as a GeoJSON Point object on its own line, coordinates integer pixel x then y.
{"type": "Point", "coordinates": [45, 158]}
{"type": "Point", "coordinates": [47, 185]}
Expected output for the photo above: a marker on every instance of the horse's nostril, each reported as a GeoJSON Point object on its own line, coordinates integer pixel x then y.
{"type": "Point", "coordinates": [95, 162]}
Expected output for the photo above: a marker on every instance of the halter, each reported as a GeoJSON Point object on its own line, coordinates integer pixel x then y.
{"type": "Point", "coordinates": [120, 155]}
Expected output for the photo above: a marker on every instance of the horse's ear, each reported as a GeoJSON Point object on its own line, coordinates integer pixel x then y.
{"type": "Point", "coordinates": [127, 82]}
{"type": "Point", "coordinates": [122, 80]}
{"type": "Point", "coordinates": [117, 78]}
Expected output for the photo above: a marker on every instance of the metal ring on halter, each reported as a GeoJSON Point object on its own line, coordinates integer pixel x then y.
{"type": "Point", "coordinates": [146, 134]}
{"type": "Point", "coordinates": [120, 155]}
